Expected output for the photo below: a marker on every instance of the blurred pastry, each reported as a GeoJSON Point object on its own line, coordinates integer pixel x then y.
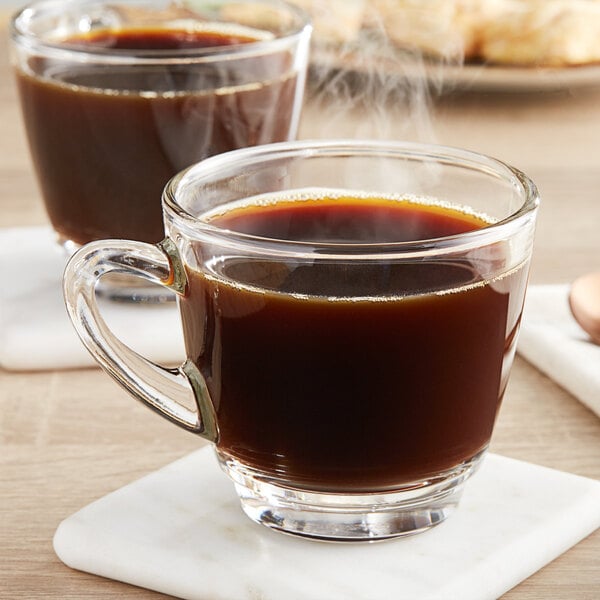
{"type": "Point", "coordinates": [443, 28]}
{"type": "Point", "coordinates": [426, 26]}
{"type": "Point", "coordinates": [334, 21]}
{"type": "Point", "coordinates": [515, 32]}
{"type": "Point", "coordinates": [544, 33]}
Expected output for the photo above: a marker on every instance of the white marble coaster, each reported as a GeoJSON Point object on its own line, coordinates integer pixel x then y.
{"type": "Point", "coordinates": [35, 330]}
{"type": "Point", "coordinates": [181, 531]}
{"type": "Point", "coordinates": [551, 339]}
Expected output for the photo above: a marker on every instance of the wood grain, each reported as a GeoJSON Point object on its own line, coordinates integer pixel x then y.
{"type": "Point", "coordinates": [69, 437]}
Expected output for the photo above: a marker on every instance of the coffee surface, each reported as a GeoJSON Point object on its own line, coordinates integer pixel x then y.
{"type": "Point", "coordinates": [157, 39]}
{"type": "Point", "coordinates": [351, 375]}
{"type": "Point", "coordinates": [105, 139]}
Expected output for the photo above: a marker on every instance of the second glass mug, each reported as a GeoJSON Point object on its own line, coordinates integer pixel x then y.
{"type": "Point", "coordinates": [117, 97]}
{"type": "Point", "coordinates": [349, 379]}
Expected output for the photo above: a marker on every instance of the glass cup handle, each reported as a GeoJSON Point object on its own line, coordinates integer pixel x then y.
{"type": "Point", "coordinates": [166, 391]}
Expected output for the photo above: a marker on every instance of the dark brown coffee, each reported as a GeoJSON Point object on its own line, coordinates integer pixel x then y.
{"type": "Point", "coordinates": [106, 139]}
{"type": "Point", "coordinates": [351, 377]}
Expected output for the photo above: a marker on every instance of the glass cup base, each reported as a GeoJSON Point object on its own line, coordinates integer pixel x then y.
{"type": "Point", "coordinates": [368, 517]}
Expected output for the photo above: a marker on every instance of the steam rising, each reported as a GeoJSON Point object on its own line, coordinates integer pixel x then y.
{"type": "Point", "coordinates": [368, 88]}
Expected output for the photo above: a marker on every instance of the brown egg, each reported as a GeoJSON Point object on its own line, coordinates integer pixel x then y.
{"type": "Point", "coordinates": [584, 300]}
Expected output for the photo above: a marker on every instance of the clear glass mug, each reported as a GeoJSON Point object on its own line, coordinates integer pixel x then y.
{"type": "Point", "coordinates": [119, 96]}
{"type": "Point", "coordinates": [348, 374]}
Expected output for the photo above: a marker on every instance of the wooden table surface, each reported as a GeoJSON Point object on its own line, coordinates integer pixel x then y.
{"type": "Point", "coordinates": [69, 437]}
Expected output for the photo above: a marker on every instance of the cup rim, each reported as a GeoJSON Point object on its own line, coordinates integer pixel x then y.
{"type": "Point", "coordinates": [20, 35]}
{"type": "Point", "coordinates": [211, 166]}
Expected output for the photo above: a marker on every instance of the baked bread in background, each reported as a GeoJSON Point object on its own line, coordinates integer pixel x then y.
{"type": "Point", "coordinates": [553, 33]}
{"type": "Point", "coordinates": [444, 28]}
{"type": "Point", "coordinates": [549, 33]}
{"type": "Point", "coordinates": [335, 21]}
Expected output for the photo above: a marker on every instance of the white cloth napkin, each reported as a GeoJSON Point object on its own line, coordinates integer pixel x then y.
{"type": "Point", "coordinates": [551, 340]}
{"type": "Point", "coordinates": [35, 330]}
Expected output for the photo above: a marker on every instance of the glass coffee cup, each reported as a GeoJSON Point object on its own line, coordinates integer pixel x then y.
{"type": "Point", "coordinates": [117, 97]}
{"type": "Point", "coordinates": [350, 311]}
